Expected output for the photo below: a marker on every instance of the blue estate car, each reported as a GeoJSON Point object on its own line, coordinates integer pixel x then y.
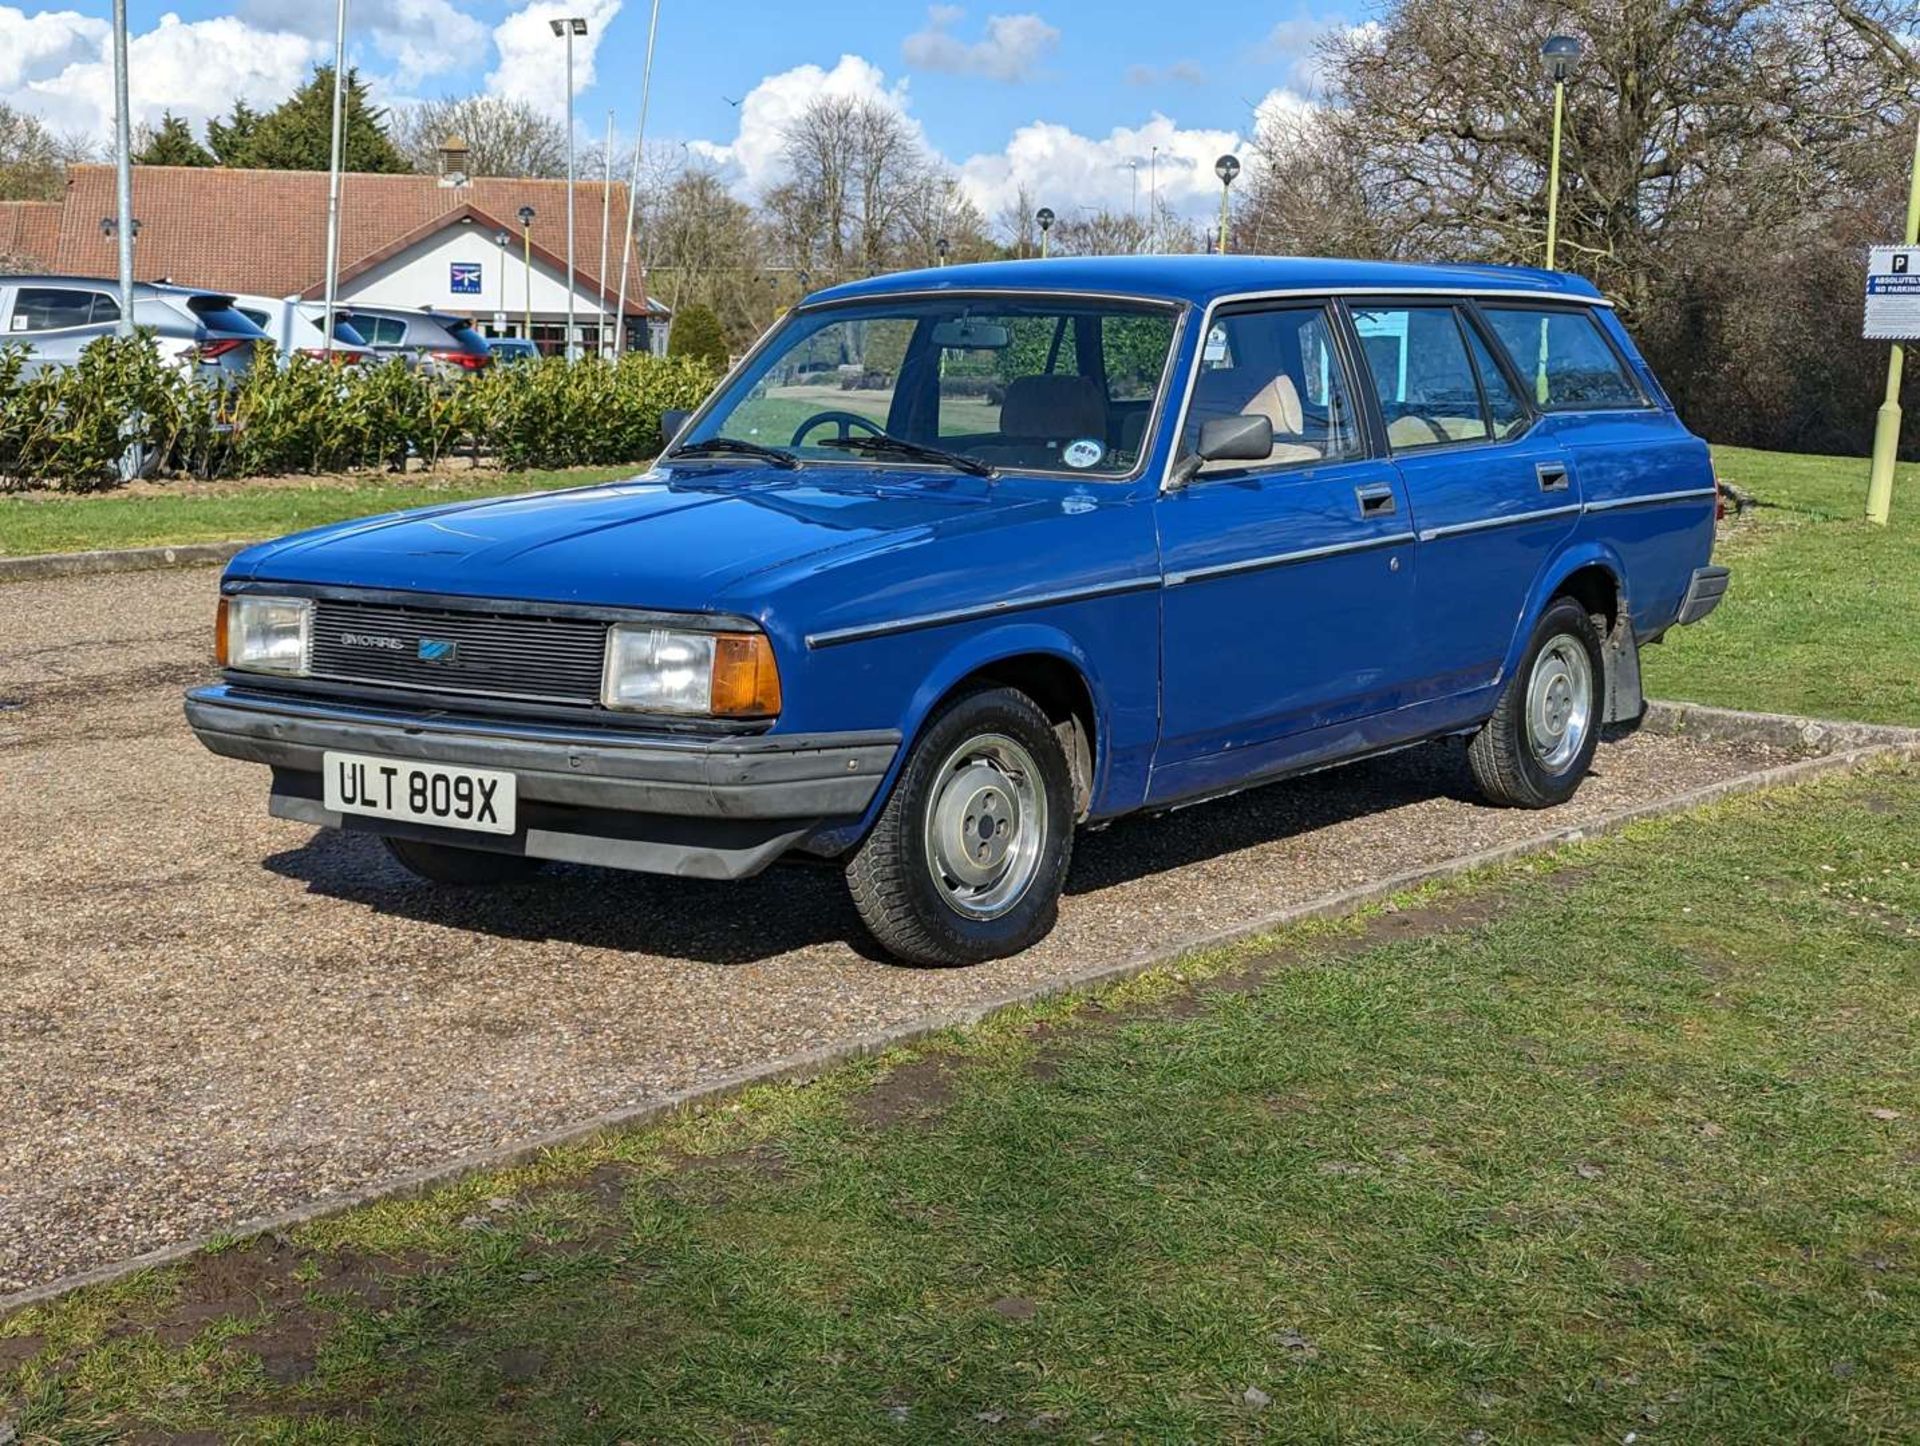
{"type": "Point", "coordinates": [955, 561]}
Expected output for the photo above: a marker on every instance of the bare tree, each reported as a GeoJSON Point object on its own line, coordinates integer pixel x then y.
{"type": "Point", "coordinates": [34, 158]}
{"type": "Point", "coordinates": [1098, 233]}
{"type": "Point", "coordinates": [504, 137]}
{"type": "Point", "coordinates": [860, 192]}
{"type": "Point", "coordinates": [1016, 224]}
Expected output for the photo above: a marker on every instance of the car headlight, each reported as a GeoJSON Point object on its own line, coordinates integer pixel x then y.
{"type": "Point", "coordinates": [263, 634]}
{"type": "Point", "coordinates": [707, 675]}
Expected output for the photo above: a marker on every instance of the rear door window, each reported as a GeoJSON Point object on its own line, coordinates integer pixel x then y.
{"type": "Point", "coordinates": [1423, 375]}
{"type": "Point", "coordinates": [1571, 365]}
{"type": "Point", "coordinates": [51, 308]}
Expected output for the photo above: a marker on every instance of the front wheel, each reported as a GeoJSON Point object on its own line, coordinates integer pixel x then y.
{"type": "Point", "coordinates": [968, 858]}
{"type": "Point", "coordinates": [1537, 746]}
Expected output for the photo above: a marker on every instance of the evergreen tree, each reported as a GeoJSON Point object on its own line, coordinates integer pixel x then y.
{"type": "Point", "coordinates": [696, 333]}
{"type": "Point", "coordinates": [172, 145]}
{"type": "Point", "coordinates": [297, 135]}
{"type": "Point", "coordinates": [229, 139]}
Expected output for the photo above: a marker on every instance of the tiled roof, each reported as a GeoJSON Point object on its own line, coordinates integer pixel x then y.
{"type": "Point", "coordinates": [265, 232]}
{"type": "Point", "coordinates": [30, 230]}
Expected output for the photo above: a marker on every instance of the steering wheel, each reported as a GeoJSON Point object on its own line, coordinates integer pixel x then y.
{"type": "Point", "coordinates": [843, 420]}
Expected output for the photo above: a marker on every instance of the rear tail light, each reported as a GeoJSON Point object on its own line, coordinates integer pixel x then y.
{"type": "Point", "coordinates": [210, 352]}
{"type": "Point", "coordinates": [338, 358]}
{"type": "Point", "coordinates": [471, 361]}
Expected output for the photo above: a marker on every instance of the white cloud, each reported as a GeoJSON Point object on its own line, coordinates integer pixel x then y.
{"type": "Point", "coordinates": [419, 37]}
{"type": "Point", "coordinates": [1186, 72]}
{"type": "Point", "coordinates": [59, 64]}
{"type": "Point", "coordinates": [532, 59]}
{"type": "Point", "coordinates": [1013, 47]}
{"type": "Point", "coordinates": [753, 157]}
{"type": "Point", "coordinates": [1069, 170]}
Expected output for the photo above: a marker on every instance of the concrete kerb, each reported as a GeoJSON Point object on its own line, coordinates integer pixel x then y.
{"type": "Point", "coordinates": [1838, 747]}
{"type": "Point", "coordinates": [131, 559]}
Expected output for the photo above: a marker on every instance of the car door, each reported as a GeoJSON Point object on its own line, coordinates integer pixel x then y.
{"type": "Point", "coordinates": [57, 322]}
{"type": "Point", "coordinates": [1288, 582]}
{"type": "Point", "coordinates": [1492, 495]}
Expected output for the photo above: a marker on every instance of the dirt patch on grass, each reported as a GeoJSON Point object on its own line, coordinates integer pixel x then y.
{"type": "Point", "coordinates": [921, 1089]}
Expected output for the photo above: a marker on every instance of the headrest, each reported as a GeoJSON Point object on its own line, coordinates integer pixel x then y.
{"type": "Point", "coordinates": [1279, 402]}
{"type": "Point", "coordinates": [1054, 407]}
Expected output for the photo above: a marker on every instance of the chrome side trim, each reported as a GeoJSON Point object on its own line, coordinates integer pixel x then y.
{"type": "Point", "coordinates": [1511, 519]}
{"type": "Point", "coordinates": [1282, 559]}
{"type": "Point", "coordinates": [1614, 504]}
{"type": "Point", "coordinates": [863, 631]}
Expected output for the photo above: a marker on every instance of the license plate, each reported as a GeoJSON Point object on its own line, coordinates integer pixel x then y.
{"type": "Point", "coordinates": [437, 793]}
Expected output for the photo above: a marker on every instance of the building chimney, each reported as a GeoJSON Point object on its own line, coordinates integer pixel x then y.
{"type": "Point", "coordinates": [453, 161]}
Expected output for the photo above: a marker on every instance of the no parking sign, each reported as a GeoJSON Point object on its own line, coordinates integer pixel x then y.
{"type": "Point", "coordinates": [1893, 294]}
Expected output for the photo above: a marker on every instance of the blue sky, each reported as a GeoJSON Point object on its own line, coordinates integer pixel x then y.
{"type": "Point", "coordinates": [1069, 90]}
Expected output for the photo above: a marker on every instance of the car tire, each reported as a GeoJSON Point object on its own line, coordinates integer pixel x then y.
{"type": "Point", "coordinates": [1536, 748]}
{"type": "Point", "coordinates": [967, 860]}
{"type": "Point", "coordinates": [469, 868]}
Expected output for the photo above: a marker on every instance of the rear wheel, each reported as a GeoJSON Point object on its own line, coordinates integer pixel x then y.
{"type": "Point", "coordinates": [968, 858]}
{"type": "Point", "coordinates": [1539, 743]}
{"type": "Point", "coordinates": [448, 864]}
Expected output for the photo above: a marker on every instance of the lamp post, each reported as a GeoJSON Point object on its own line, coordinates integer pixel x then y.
{"type": "Point", "coordinates": [1227, 168]}
{"type": "Point", "coordinates": [1153, 201]}
{"type": "Point", "coordinates": [1886, 424]}
{"type": "Point", "coordinates": [569, 27]}
{"type": "Point", "coordinates": [502, 240]}
{"type": "Point", "coordinates": [1560, 54]}
{"type": "Point", "coordinates": [941, 248]}
{"type": "Point", "coordinates": [336, 166]}
{"type": "Point", "coordinates": [526, 236]}
{"type": "Point", "coordinates": [123, 164]}
{"type": "Point", "coordinates": [1045, 217]}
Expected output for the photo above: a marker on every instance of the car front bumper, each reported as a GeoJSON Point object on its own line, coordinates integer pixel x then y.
{"type": "Point", "coordinates": [699, 807]}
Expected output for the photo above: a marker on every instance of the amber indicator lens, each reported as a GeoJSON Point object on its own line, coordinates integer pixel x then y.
{"type": "Point", "coordinates": [745, 682]}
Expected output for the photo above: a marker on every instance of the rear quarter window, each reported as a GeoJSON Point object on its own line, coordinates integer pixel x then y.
{"type": "Point", "coordinates": [1565, 358]}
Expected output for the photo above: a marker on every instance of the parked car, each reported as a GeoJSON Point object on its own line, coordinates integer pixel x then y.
{"type": "Point", "coordinates": [430, 341]}
{"type": "Point", "coordinates": [1230, 519]}
{"type": "Point", "coordinates": [296, 326]}
{"type": "Point", "coordinates": [513, 350]}
{"type": "Point", "coordinates": [56, 317]}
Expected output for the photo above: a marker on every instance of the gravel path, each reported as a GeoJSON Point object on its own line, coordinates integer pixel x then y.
{"type": "Point", "coordinates": [206, 1014]}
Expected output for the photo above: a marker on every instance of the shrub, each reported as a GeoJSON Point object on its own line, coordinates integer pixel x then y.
{"type": "Point", "coordinates": [696, 333]}
{"type": "Point", "coordinates": [71, 428]}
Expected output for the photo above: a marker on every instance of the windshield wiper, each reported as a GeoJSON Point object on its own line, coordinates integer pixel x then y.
{"type": "Point", "coordinates": [918, 451]}
{"type": "Point", "coordinates": [720, 446]}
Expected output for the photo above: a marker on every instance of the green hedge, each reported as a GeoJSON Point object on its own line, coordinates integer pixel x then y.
{"type": "Point", "coordinates": [122, 411]}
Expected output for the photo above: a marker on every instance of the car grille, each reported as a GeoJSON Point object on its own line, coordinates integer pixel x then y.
{"type": "Point", "coordinates": [549, 660]}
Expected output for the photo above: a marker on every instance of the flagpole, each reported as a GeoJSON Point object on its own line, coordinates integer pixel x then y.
{"type": "Point", "coordinates": [606, 223]}
{"type": "Point", "coordinates": [633, 189]}
{"type": "Point", "coordinates": [335, 165]}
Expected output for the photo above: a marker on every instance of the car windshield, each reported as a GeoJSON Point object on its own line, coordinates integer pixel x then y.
{"type": "Point", "coordinates": [1013, 382]}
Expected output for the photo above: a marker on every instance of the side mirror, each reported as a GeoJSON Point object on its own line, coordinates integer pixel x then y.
{"type": "Point", "coordinates": [1243, 438]}
{"type": "Point", "coordinates": [671, 421]}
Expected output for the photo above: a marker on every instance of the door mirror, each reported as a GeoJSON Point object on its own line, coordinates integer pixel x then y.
{"type": "Point", "coordinates": [671, 421]}
{"type": "Point", "coordinates": [1244, 438]}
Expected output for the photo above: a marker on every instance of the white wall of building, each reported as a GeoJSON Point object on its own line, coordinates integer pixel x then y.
{"type": "Point", "coordinates": [422, 275]}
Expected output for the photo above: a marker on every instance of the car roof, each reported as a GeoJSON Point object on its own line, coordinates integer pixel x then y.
{"type": "Point", "coordinates": [140, 288]}
{"type": "Point", "coordinates": [1205, 279]}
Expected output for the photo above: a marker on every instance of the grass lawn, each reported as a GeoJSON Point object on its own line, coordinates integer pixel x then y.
{"type": "Point", "coordinates": [1622, 1145]}
{"type": "Point", "coordinates": [1822, 615]}
{"type": "Point", "coordinates": [231, 511]}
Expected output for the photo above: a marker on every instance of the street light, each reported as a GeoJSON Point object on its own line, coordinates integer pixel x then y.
{"type": "Point", "coordinates": [1560, 54]}
{"type": "Point", "coordinates": [1226, 168]}
{"type": "Point", "coordinates": [941, 247]}
{"type": "Point", "coordinates": [569, 27]}
{"type": "Point", "coordinates": [526, 235]}
{"type": "Point", "coordinates": [502, 240]}
{"type": "Point", "coordinates": [1045, 217]}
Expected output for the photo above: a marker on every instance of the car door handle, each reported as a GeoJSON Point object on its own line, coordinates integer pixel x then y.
{"type": "Point", "coordinates": [1376, 501]}
{"type": "Point", "coordinates": [1552, 475]}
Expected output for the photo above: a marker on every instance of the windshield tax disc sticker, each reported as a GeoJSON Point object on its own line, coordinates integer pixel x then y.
{"type": "Point", "coordinates": [1083, 454]}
